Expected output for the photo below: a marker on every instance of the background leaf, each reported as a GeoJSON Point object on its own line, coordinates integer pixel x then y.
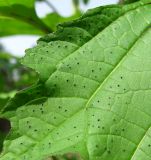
{"type": "Point", "coordinates": [17, 27]}
{"type": "Point", "coordinates": [24, 11]}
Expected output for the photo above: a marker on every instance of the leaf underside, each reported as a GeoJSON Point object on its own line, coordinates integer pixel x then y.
{"type": "Point", "coordinates": [96, 91]}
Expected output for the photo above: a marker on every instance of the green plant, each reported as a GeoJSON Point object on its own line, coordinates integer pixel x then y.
{"type": "Point", "coordinates": [93, 94]}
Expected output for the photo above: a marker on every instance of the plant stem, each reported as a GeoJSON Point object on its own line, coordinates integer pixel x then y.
{"type": "Point", "coordinates": [51, 6]}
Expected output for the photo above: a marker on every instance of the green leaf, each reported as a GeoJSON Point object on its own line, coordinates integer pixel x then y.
{"type": "Point", "coordinates": [98, 97]}
{"type": "Point", "coordinates": [22, 11]}
{"type": "Point", "coordinates": [17, 27]}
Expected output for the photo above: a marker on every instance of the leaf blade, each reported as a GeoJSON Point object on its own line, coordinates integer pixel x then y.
{"type": "Point", "coordinates": [97, 117]}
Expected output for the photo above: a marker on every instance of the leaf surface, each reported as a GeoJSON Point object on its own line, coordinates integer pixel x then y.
{"type": "Point", "coordinates": [98, 90]}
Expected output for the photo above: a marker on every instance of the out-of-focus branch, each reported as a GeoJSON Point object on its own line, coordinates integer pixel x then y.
{"type": "Point", "coordinates": [76, 5]}
{"type": "Point", "coordinates": [51, 6]}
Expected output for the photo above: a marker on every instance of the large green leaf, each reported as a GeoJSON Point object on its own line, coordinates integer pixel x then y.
{"type": "Point", "coordinates": [97, 78]}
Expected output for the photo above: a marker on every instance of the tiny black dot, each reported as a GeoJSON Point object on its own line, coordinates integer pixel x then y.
{"type": "Point", "coordinates": [74, 127]}
{"type": "Point", "coordinates": [98, 120]}
{"type": "Point", "coordinates": [66, 110]}
{"type": "Point", "coordinates": [102, 127]}
{"type": "Point", "coordinates": [149, 145]}
{"type": "Point", "coordinates": [74, 85]}
{"type": "Point", "coordinates": [114, 119]}
{"type": "Point", "coordinates": [108, 151]}
{"type": "Point", "coordinates": [78, 63]}
{"type": "Point", "coordinates": [67, 80]}
{"type": "Point", "coordinates": [124, 150]}
{"type": "Point", "coordinates": [98, 101]}
{"type": "Point", "coordinates": [35, 130]}
{"type": "Point", "coordinates": [96, 146]}
{"type": "Point", "coordinates": [118, 85]}
{"type": "Point", "coordinates": [92, 70]}
{"type": "Point", "coordinates": [123, 129]}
